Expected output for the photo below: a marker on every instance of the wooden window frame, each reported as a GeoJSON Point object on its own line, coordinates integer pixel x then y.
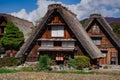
{"type": "Point", "coordinates": [57, 31]}
{"type": "Point", "coordinates": [96, 40]}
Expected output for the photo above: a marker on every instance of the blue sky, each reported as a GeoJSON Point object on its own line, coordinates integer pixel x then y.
{"type": "Point", "coordinates": [9, 6]}
{"type": "Point", "coordinates": [33, 10]}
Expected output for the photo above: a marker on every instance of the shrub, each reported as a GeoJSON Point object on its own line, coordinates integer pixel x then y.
{"type": "Point", "coordinates": [82, 61]}
{"type": "Point", "coordinates": [72, 63]}
{"type": "Point", "coordinates": [29, 68]}
{"type": "Point", "coordinates": [8, 61]}
{"type": "Point", "coordinates": [44, 63]}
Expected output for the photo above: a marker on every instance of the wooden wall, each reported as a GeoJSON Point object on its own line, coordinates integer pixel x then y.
{"type": "Point", "coordinates": [105, 45]}
{"type": "Point", "coordinates": [2, 26]}
{"type": "Point", "coordinates": [57, 20]}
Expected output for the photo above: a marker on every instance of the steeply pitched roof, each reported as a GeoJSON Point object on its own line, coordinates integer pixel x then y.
{"type": "Point", "coordinates": [72, 22]}
{"type": "Point", "coordinates": [24, 25]}
{"type": "Point", "coordinates": [105, 26]}
{"type": "Point", "coordinates": [2, 18]}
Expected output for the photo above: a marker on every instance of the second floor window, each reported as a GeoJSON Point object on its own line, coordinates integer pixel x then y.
{"type": "Point", "coordinates": [68, 44]}
{"type": "Point", "coordinates": [46, 44]}
{"type": "Point", "coordinates": [96, 40]}
{"type": "Point", "coordinates": [57, 31]}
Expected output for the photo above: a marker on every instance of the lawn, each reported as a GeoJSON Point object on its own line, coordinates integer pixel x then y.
{"type": "Point", "coordinates": [3, 70]}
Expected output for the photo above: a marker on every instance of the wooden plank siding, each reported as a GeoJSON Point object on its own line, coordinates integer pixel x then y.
{"type": "Point", "coordinates": [57, 16]}
{"type": "Point", "coordinates": [56, 21]}
{"type": "Point", "coordinates": [2, 26]}
{"type": "Point", "coordinates": [33, 54]}
{"type": "Point", "coordinates": [105, 44]}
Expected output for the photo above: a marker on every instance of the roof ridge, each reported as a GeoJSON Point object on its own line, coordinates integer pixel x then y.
{"type": "Point", "coordinates": [99, 16]}
{"type": "Point", "coordinates": [95, 15]}
{"type": "Point", "coordinates": [55, 6]}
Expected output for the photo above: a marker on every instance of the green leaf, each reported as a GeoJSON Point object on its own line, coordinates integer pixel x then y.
{"type": "Point", "coordinates": [12, 38]}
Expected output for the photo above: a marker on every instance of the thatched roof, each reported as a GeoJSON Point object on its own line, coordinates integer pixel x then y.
{"type": "Point", "coordinates": [24, 25]}
{"type": "Point", "coordinates": [74, 25]}
{"type": "Point", "coordinates": [107, 29]}
{"type": "Point", "coordinates": [2, 18]}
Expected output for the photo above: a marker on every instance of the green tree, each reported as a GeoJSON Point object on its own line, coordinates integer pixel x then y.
{"type": "Point", "coordinates": [12, 37]}
{"type": "Point", "coordinates": [116, 28]}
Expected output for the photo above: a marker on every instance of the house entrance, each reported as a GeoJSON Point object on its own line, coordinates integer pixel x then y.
{"type": "Point", "coordinates": [59, 57]}
{"type": "Point", "coordinates": [63, 57]}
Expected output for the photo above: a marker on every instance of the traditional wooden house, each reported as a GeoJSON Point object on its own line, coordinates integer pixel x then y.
{"type": "Point", "coordinates": [23, 25]}
{"type": "Point", "coordinates": [3, 23]}
{"type": "Point", "coordinates": [60, 36]}
{"type": "Point", "coordinates": [104, 38]}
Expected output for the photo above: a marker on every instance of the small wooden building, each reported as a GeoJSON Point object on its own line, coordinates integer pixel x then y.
{"type": "Point", "coordinates": [60, 36]}
{"type": "Point", "coordinates": [104, 38]}
{"type": "Point", "coordinates": [3, 23]}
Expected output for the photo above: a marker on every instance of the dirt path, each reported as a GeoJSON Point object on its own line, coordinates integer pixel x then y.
{"type": "Point", "coordinates": [55, 76]}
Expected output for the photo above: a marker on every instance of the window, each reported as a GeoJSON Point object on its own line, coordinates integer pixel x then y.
{"type": "Point", "coordinates": [46, 44]}
{"type": "Point", "coordinates": [67, 44]}
{"type": "Point", "coordinates": [113, 60]}
{"type": "Point", "coordinates": [104, 53]}
{"type": "Point", "coordinates": [96, 40]}
{"type": "Point", "coordinates": [96, 29]}
{"type": "Point", "coordinates": [57, 31]}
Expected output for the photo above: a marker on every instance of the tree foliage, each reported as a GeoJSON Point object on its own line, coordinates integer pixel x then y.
{"type": "Point", "coordinates": [84, 21]}
{"type": "Point", "coordinates": [116, 28]}
{"type": "Point", "coordinates": [12, 37]}
{"type": "Point", "coordinates": [9, 61]}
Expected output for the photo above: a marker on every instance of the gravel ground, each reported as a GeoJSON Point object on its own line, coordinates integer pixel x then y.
{"type": "Point", "coordinates": [56, 76]}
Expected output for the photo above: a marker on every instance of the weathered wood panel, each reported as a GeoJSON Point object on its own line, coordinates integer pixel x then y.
{"type": "Point", "coordinates": [105, 45]}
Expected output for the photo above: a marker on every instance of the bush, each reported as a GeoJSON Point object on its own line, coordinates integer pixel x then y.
{"type": "Point", "coordinates": [82, 61]}
{"type": "Point", "coordinates": [9, 61]}
{"type": "Point", "coordinates": [29, 68]}
{"type": "Point", "coordinates": [44, 63]}
{"type": "Point", "coordinates": [72, 63]}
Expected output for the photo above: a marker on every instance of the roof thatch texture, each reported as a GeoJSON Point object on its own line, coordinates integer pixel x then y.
{"type": "Point", "coordinates": [24, 25]}
{"type": "Point", "coordinates": [105, 26]}
{"type": "Point", "coordinates": [72, 22]}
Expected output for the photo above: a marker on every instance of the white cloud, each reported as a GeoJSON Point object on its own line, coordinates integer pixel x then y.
{"type": "Point", "coordinates": [82, 9]}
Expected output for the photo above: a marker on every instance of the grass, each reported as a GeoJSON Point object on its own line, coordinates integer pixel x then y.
{"type": "Point", "coordinates": [74, 72]}
{"type": "Point", "coordinates": [3, 70]}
